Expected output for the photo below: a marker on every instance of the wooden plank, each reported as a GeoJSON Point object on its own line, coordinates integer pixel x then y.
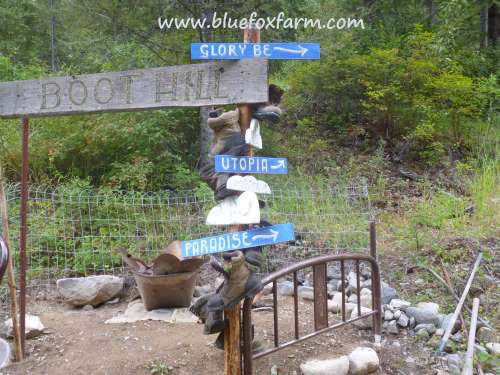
{"type": "Point", "coordinates": [320, 297]}
{"type": "Point", "coordinates": [232, 341]}
{"type": "Point", "coordinates": [213, 83]}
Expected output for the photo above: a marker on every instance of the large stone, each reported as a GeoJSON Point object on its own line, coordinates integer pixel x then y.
{"type": "Point", "coordinates": [493, 347]}
{"type": "Point", "coordinates": [388, 294]}
{"type": "Point", "coordinates": [444, 322]}
{"type": "Point", "coordinates": [366, 300]}
{"type": "Point", "coordinates": [306, 293]}
{"type": "Point", "coordinates": [388, 315]}
{"type": "Point", "coordinates": [92, 290]}
{"type": "Point", "coordinates": [422, 335]}
{"type": "Point", "coordinates": [337, 366]}
{"type": "Point", "coordinates": [33, 327]}
{"type": "Point", "coordinates": [5, 353]}
{"type": "Point", "coordinates": [403, 320]}
{"type": "Point", "coordinates": [429, 306]}
{"type": "Point", "coordinates": [399, 304]}
{"type": "Point", "coordinates": [423, 316]}
{"type": "Point", "coordinates": [392, 327]}
{"type": "Point", "coordinates": [285, 288]}
{"type": "Point", "coordinates": [335, 304]}
{"type": "Point", "coordinates": [365, 323]}
{"type": "Point", "coordinates": [363, 361]}
{"type": "Point", "coordinates": [352, 280]}
{"type": "Point", "coordinates": [430, 328]}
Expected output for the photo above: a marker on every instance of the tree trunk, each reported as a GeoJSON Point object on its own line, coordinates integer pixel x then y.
{"type": "Point", "coordinates": [53, 52]}
{"type": "Point", "coordinates": [493, 24]}
{"type": "Point", "coordinates": [206, 134]}
{"type": "Point", "coordinates": [431, 11]}
{"type": "Point", "coordinates": [483, 24]}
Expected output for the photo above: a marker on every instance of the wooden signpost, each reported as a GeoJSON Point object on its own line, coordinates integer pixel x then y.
{"type": "Point", "coordinates": [212, 83]}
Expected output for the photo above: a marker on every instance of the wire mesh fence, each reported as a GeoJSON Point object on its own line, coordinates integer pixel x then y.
{"type": "Point", "coordinates": [78, 232]}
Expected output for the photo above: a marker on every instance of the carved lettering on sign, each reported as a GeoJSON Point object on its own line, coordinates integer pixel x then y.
{"type": "Point", "coordinates": [214, 83]}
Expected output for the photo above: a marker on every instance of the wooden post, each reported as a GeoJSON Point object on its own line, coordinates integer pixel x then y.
{"type": "Point", "coordinates": [10, 271]}
{"type": "Point", "coordinates": [232, 334]}
{"type": "Point", "coordinates": [23, 237]}
{"type": "Point", "coordinates": [469, 357]}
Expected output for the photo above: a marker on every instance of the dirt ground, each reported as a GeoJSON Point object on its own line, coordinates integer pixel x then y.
{"type": "Point", "coordinates": [78, 342]}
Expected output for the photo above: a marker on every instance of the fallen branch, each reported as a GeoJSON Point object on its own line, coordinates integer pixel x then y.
{"type": "Point", "coordinates": [457, 298]}
{"type": "Point", "coordinates": [460, 303]}
{"type": "Point", "coordinates": [469, 356]}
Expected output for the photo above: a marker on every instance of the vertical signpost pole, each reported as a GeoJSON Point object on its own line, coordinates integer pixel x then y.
{"type": "Point", "coordinates": [232, 334]}
{"type": "Point", "coordinates": [24, 231]}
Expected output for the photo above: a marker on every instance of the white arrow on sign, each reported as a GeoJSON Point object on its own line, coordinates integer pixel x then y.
{"type": "Point", "coordinates": [274, 235]}
{"type": "Point", "coordinates": [302, 50]}
{"type": "Point", "coordinates": [281, 164]}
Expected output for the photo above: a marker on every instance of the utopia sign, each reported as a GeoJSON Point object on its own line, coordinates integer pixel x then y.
{"type": "Point", "coordinates": [213, 83]}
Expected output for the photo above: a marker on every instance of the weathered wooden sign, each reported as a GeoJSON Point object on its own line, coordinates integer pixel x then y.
{"type": "Point", "coordinates": [247, 183]}
{"type": "Point", "coordinates": [271, 51]}
{"type": "Point", "coordinates": [250, 164]}
{"type": "Point", "coordinates": [238, 240]}
{"type": "Point", "coordinates": [213, 83]}
{"type": "Point", "coordinates": [236, 209]}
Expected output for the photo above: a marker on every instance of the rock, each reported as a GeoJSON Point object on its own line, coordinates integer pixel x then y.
{"type": "Point", "coordinates": [335, 304]}
{"type": "Point", "coordinates": [388, 315]}
{"type": "Point", "coordinates": [392, 327]}
{"type": "Point", "coordinates": [332, 285]}
{"type": "Point", "coordinates": [363, 361]}
{"type": "Point", "coordinates": [33, 327]}
{"type": "Point", "coordinates": [91, 290]}
{"type": "Point", "coordinates": [365, 291]}
{"type": "Point", "coordinates": [306, 293]}
{"type": "Point", "coordinates": [388, 294]}
{"type": "Point", "coordinates": [365, 323]}
{"type": "Point", "coordinates": [366, 284]}
{"type": "Point", "coordinates": [399, 304]}
{"type": "Point", "coordinates": [403, 321]}
{"type": "Point", "coordinates": [454, 362]}
{"type": "Point", "coordinates": [5, 353]}
{"type": "Point", "coordinates": [444, 321]}
{"type": "Point", "coordinates": [366, 301]}
{"type": "Point", "coordinates": [493, 347]}
{"type": "Point", "coordinates": [337, 366]}
{"type": "Point", "coordinates": [430, 328]}
{"type": "Point", "coordinates": [268, 289]}
{"type": "Point", "coordinates": [351, 278]}
{"type": "Point", "coordinates": [88, 308]}
{"type": "Point", "coordinates": [353, 298]}
{"type": "Point", "coordinates": [439, 332]}
{"type": "Point", "coordinates": [412, 323]}
{"type": "Point", "coordinates": [333, 273]}
{"type": "Point", "coordinates": [366, 273]}
{"type": "Point", "coordinates": [422, 335]}
{"type": "Point", "coordinates": [397, 314]}
{"type": "Point", "coordinates": [485, 334]}
{"type": "Point", "coordinates": [423, 316]}
{"type": "Point", "coordinates": [429, 306]}
{"type": "Point", "coordinates": [285, 288]}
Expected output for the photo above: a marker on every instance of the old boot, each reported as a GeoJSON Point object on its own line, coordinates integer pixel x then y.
{"type": "Point", "coordinates": [215, 323]}
{"type": "Point", "coordinates": [268, 113]}
{"type": "Point", "coordinates": [253, 256]}
{"type": "Point", "coordinates": [242, 283]}
{"type": "Point", "coordinates": [199, 307]}
{"type": "Point", "coordinates": [224, 127]}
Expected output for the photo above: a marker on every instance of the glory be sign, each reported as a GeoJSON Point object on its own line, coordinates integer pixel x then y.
{"type": "Point", "coordinates": [250, 164]}
{"type": "Point", "coordinates": [238, 240]}
{"type": "Point", "coordinates": [240, 51]}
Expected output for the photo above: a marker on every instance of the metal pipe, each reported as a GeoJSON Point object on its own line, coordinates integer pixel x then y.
{"type": "Point", "coordinates": [342, 275]}
{"type": "Point", "coordinates": [24, 230]}
{"type": "Point", "coordinates": [469, 357]}
{"type": "Point", "coordinates": [247, 336]}
{"type": "Point", "coordinates": [296, 304]}
{"type": "Point", "coordinates": [275, 312]}
{"type": "Point", "coordinates": [454, 317]}
{"type": "Point", "coordinates": [373, 240]}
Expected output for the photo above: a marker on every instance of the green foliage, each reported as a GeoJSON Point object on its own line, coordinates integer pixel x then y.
{"type": "Point", "coordinates": [158, 367]}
